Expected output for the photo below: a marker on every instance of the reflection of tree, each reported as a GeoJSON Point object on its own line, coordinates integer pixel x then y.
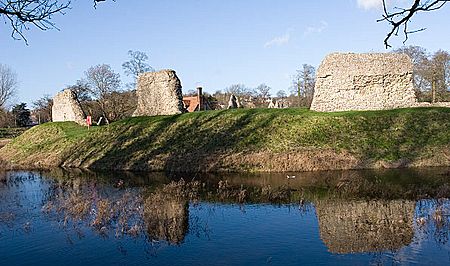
{"type": "Point", "coordinates": [365, 226]}
{"type": "Point", "coordinates": [166, 218]}
{"type": "Point", "coordinates": [163, 215]}
{"type": "Point", "coordinates": [105, 209]}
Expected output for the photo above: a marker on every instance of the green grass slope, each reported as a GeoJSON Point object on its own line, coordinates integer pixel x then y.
{"type": "Point", "coordinates": [243, 140]}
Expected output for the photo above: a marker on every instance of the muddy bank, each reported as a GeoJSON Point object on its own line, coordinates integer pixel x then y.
{"type": "Point", "coordinates": [295, 161]}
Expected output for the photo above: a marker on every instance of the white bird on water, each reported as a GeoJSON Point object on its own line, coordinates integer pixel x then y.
{"type": "Point", "coordinates": [291, 177]}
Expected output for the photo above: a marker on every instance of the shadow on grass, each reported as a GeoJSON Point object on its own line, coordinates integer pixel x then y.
{"type": "Point", "coordinates": [185, 141]}
{"type": "Point", "coordinates": [200, 141]}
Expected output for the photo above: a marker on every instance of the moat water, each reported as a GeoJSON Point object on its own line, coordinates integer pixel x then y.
{"type": "Point", "coordinates": [61, 217]}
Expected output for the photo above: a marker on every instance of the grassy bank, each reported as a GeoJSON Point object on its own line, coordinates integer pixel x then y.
{"type": "Point", "coordinates": [244, 140]}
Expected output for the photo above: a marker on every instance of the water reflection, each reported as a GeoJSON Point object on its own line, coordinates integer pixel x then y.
{"type": "Point", "coordinates": [356, 211]}
{"type": "Point", "coordinates": [365, 226]}
{"type": "Point", "coordinates": [166, 214]}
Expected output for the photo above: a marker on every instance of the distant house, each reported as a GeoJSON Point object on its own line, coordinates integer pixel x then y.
{"type": "Point", "coordinates": [196, 103]}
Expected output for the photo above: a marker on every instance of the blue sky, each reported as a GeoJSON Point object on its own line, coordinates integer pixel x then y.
{"type": "Point", "coordinates": [212, 43]}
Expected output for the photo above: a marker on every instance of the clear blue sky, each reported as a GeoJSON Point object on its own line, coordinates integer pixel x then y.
{"type": "Point", "coordinates": [212, 43]}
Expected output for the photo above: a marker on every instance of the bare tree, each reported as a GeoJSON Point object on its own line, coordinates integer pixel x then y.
{"type": "Point", "coordinates": [303, 84]}
{"type": "Point", "coordinates": [82, 90]}
{"type": "Point", "coordinates": [439, 75]}
{"type": "Point", "coordinates": [281, 94]}
{"type": "Point", "coordinates": [6, 119]}
{"type": "Point", "coordinates": [399, 17]}
{"type": "Point", "coordinates": [23, 14]}
{"type": "Point", "coordinates": [431, 73]}
{"type": "Point", "coordinates": [121, 104]}
{"type": "Point", "coordinates": [221, 97]}
{"type": "Point", "coordinates": [102, 82]}
{"type": "Point", "coordinates": [263, 92]}
{"type": "Point", "coordinates": [8, 84]}
{"type": "Point", "coordinates": [243, 93]}
{"type": "Point", "coordinates": [42, 109]}
{"type": "Point", "coordinates": [136, 65]}
{"type": "Point", "coordinates": [419, 58]}
{"type": "Point", "coordinates": [237, 90]}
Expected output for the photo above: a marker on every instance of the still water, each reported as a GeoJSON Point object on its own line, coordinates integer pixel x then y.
{"type": "Point", "coordinates": [388, 217]}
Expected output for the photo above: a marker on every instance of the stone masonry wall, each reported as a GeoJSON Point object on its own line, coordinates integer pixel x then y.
{"type": "Point", "coordinates": [159, 93]}
{"type": "Point", "coordinates": [364, 82]}
{"type": "Point", "coordinates": [67, 108]}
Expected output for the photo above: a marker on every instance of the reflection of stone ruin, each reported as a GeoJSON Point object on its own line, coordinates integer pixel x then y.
{"type": "Point", "coordinates": [166, 217]}
{"type": "Point", "coordinates": [67, 108]}
{"type": "Point", "coordinates": [159, 93]}
{"type": "Point", "coordinates": [360, 226]}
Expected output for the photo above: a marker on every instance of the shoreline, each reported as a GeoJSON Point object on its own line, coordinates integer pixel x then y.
{"type": "Point", "coordinates": [260, 163]}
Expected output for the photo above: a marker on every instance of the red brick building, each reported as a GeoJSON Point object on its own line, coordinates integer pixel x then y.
{"type": "Point", "coordinates": [196, 103]}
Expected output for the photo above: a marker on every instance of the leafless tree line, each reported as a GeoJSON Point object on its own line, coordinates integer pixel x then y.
{"type": "Point", "coordinates": [300, 92]}
{"type": "Point", "coordinates": [431, 73]}
{"type": "Point", "coordinates": [99, 91]}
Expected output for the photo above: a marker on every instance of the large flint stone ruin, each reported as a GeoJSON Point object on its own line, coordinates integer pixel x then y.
{"type": "Point", "coordinates": [67, 108]}
{"type": "Point", "coordinates": [375, 81]}
{"type": "Point", "coordinates": [159, 93]}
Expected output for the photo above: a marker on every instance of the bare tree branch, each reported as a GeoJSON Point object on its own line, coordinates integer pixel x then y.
{"type": "Point", "coordinates": [402, 16]}
{"type": "Point", "coordinates": [21, 15]}
{"type": "Point", "coordinates": [98, 1]}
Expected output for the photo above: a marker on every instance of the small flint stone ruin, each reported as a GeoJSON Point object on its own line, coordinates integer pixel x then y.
{"type": "Point", "coordinates": [234, 102]}
{"type": "Point", "coordinates": [374, 81]}
{"type": "Point", "coordinates": [67, 108]}
{"type": "Point", "coordinates": [159, 93]}
{"type": "Point", "coordinates": [273, 104]}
